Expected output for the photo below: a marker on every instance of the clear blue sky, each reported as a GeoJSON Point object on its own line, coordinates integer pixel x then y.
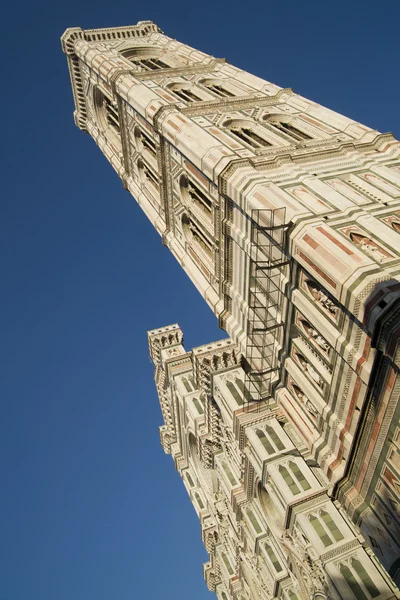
{"type": "Point", "coordinates": [90, 508]}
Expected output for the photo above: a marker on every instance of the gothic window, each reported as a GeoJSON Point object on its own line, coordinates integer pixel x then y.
{"type": "Point", "coordinates": [227, 564]}
{"type": "Point", "coordinates": [235, 393]}
{"type": "Point", "coordinates": [185, 92]}
{"type": "Point", "coordinates": [292, 131]}
{"type": "Point", "coordinates": [229, 474]}
{"type": "Point", "coordinates": [151, 177]}
{"type": "Point", "coordinates": [199, 500]}
{"type": "Point", "coordinates": [148, 144]}
{"type": "Point", "coordinates": [272, 557]}
{"type": "Point", "coordinates": [198, 406]}
{"type": "Point", "coordinates": [326, 528]}
{"type": "Point", "coordinates": [291, 595]}
{"type": "Point", "coordinates": [187, 384]}
{"type": "Point", "coordinates": [299, 476]}
{"type": "Point", "coordinates": [194, 196]}
{"type": "Point", "coordinates": [292, 485]}
{"type": "Point", "coordinates": [190, 480]}
{"type": "Point", "coordinates": [107, 112]}
{"type": "Point", "coordinates": [248, 133]}
{"type": "Point", "coordinates": [254, 521]}
{"type": "Point", "coordinates": [146, 59]}
{"type": "Point", "coordinates": [194, 234]}
{"type": "Point", "coordinates": [284, 124]}
{"type": "Point", "coordinates": [358, 580]}
{"type": "Point", "coordinates": [218, 88]}
{"type": "Point", "coordinates": [274, 437]}
{"type": "Point", "coordinates": [265, 441]}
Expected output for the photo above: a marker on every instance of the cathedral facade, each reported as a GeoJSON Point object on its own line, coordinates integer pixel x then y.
{"type": "Point", "coordinates": [286, 217]}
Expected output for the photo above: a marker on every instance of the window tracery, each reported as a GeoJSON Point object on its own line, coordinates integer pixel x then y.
{"type": "Point", "coordinates": [185, 92]}
{"type": "Point", "coordinates": [106, 112]}
{"type": "Point", "coordinates": [218, 87]}
{"type": "Point", "coordinates": [358, 580]}
{"type": "Point", "coordinates": [284, 124]}
{"type": "Point", "coordinates": [325, 527]}
{"type": "Point", "coordinates": [194, 235]}
{"type": "Point", "coordinates": [247, 132]}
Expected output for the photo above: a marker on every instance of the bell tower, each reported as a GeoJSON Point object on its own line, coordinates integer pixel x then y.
{"type": "Point", "coordinates": [286, 217]}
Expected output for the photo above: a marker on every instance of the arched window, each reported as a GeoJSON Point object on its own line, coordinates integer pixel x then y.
{"type": "Point", "coordinates": [190, 480]}
{"type": "Point", "coordinates": [365, 578]}
{"type": "Point", "coordinates": [218, 87]}
{"type": "Point", "coordinates": [148, 144]}
{"type": "Point", "coordinates": [146, 59]}
{"type": "Point", "coordinates": [198, 406]}
{"type": "Point", "coordinates": [320, 530]}
{"type": "Point", "coordinates": [187, 384]}
{"type": "Point", "coordinates": [229, 474]}
{"type": "Point", "coordinates": [185, 92]}
{"type": "Point", "coordinates": [254, 521]}
{"type": "Point", "coordinates": [284, 124]}
{"type": "Point", "coordinates": [151, 177]}
{"type": "Point", "coordinates": [362, 587]}
{"type": "Point", "coordinates": [299, 476]}
{"type": "Point", "coordinates": [193, 195]}
{"type": "Point", "coordinates": [106, 111]}
{"type": "Point", "coordinates": [272, 557]}
{"type": "Point", "coordinates": [227, 564]}
{"type": "Point", "coordinates": [247, 132]}
{"type": "Point", "coordinates": [265, 442]}
{"type": "Point", "coordinates": [291, 130]}
{"type": "Point", "coordinates": [275, 438]}
{"type": "Point", "coordinates": [326, 528]}
{"type": "Point", "coordinates": [289, 480]}
{"type": "Point", "coordinates": [235, 393]}
{"type": "Point", "coordinates": [199, 500]}
{"type": "Point", "coordinates": [331, 525]}
{"type": "Point", "coordinates": [194, 234]}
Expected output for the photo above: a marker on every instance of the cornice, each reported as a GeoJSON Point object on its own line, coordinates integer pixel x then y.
{"type": "Point", "coordinates": [141, 29]}
{"type": "Point", "coordinates": [228, 104]}
{"type": "Point", "coordinates": [181, 70]}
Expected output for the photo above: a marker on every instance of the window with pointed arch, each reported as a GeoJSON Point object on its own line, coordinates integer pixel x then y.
{"type": "Point", "coordinates": [151, 59]}
{"type": "Point", "coordinates": [325, 527]}
{"type": "Point", "coordinates": [272, 557]}
{"type": "Point", "coordinates": [194, 197]}
{"type": "Point", "coordinates": [219, 87]}
{"type": "Point", "coordinates": [236, 390]}
{"type": "Point", "coordinates": [294, 478]}
{"type": "Point", "coordinates": [196, 237]}
{"type": "Point", "coordinates": [270, 440]}
{"type": "Point", "coordinates": [358, 580]}
{"type": "Point", "coordinates": [289, 126]}
{"type": "Point", "coordinates": [186, 92]}
{"type": "Point", "coordinates": [248, 132]}
{"type": "Point", "coordinates": [107, 116]}
{"type": "Point", "coordinates": [149, 177]}
{"type": "Point", "coordinates": [145, 143]}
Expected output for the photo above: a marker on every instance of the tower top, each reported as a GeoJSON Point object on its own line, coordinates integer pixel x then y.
{"type": "Point", "coordinates": [141, 29]}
